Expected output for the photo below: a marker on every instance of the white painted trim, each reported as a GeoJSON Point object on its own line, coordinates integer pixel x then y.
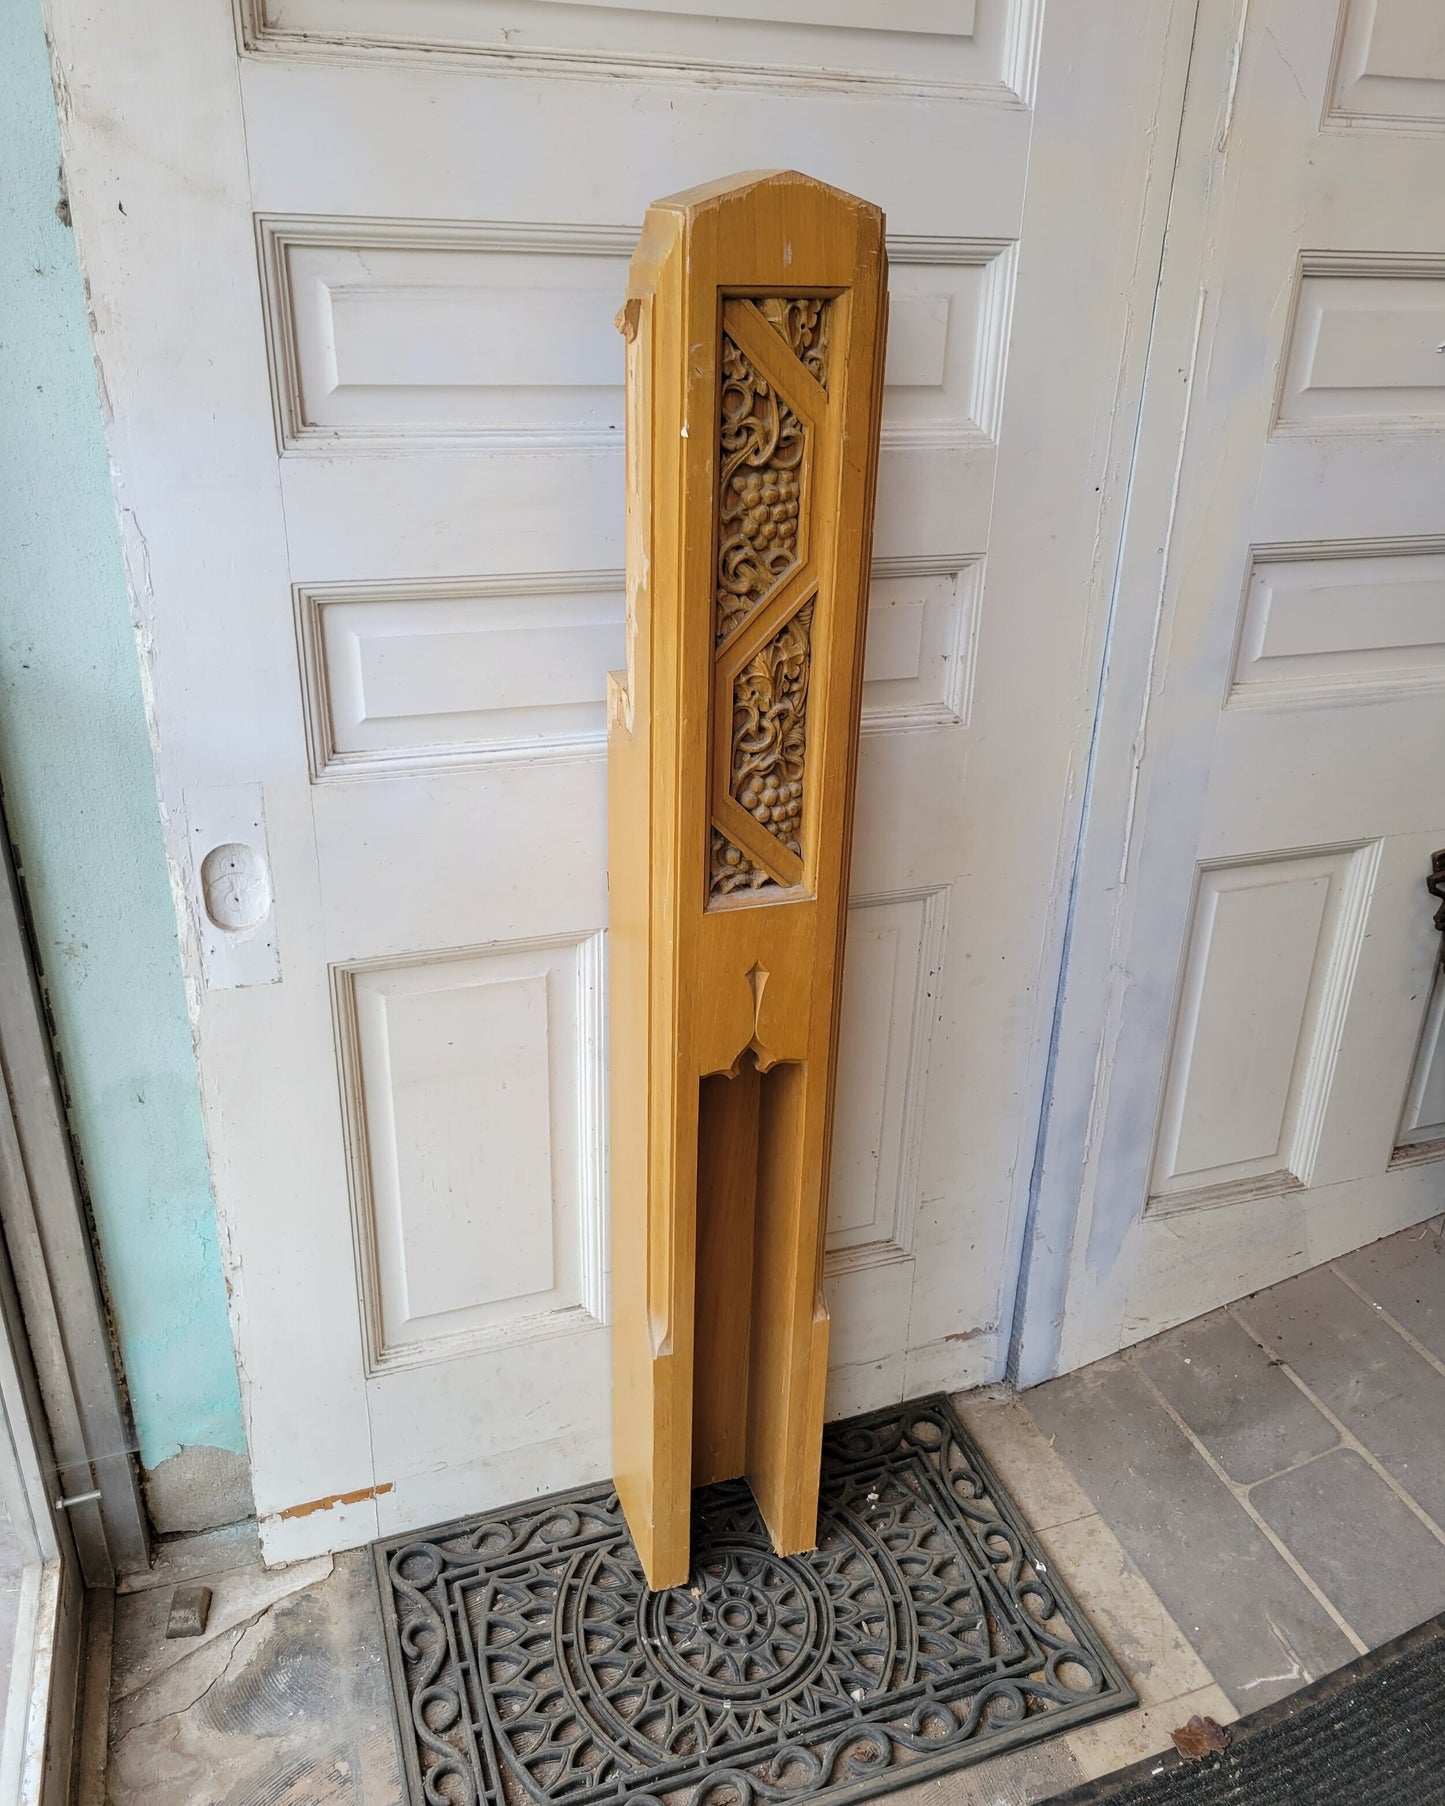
{"type": "Point", "coordinates": [1089, 998]}
{"type": "Point", "coordinates": [954, 709]}
{"type": "Point", "coordinates": [1415, 1140]}
{"type": "Point", "coordinates": [278, 234]}
{"type": "Point", "coordinates": [1379, 685]}
{"type": "Point", "coordinates": [1338, 952]}
{"type": "Point", "coordinates": [256, 36]}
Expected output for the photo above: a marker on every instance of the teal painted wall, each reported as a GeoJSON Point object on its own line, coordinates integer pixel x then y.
{"type": "Point", "coordinates": [75, 760]}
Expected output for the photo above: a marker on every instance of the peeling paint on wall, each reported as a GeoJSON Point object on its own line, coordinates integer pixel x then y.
{"type": "Point", "coordinates": [75, 759]}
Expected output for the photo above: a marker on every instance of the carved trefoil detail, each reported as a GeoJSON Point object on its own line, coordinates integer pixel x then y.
{"type": "Point", "coordinates": [773, 396]}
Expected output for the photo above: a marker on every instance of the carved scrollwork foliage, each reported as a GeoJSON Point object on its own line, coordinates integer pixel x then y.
{"type": "Point", "coordinates": [770, 699]}
{"type": "Point", "coordinates": [804, 324]}
{"type": "Point", "coordinates": [763, 502]}
{"type": "Point", "coordinates": [763, 445]}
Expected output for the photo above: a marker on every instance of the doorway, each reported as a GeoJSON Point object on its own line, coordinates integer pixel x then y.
{"type": "Point", "coordinates": [71, 1519]}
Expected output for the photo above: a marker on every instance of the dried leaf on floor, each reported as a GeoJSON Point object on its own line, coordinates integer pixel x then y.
{"type": "Point", "coordinates": [1199, 1738]}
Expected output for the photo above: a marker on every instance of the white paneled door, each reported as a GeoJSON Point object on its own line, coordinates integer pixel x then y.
{"type": "Point", "coordinates": [1251, 1065]}
{"type": "Point", "coordinates": [354, 266]}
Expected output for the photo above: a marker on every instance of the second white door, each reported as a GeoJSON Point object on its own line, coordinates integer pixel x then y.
{"type": "Point", "coordinates": [1251, 1065]}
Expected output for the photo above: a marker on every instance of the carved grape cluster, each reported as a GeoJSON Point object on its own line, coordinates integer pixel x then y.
{"type": "Point", "coordinates": [769, 517]}
{"type": "Point", "coordinates": [777, 805]}
{"type": "Point", "coordinates": [732, 869]}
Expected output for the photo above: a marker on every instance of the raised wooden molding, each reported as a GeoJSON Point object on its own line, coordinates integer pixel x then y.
{"type": "Point", "coordinates": [334, 31]}
{"type": "Point", "coordinates": [892, 1238]}
{"type": "Point", "coordinates": [583, 1187]}
{"type": "Point", "coordinates": [1301, 338]}
{"type": "Point", "coordinates": [1335, 673]}
{"type": "Point", "coordinates": [438, 742]}
{"type": "Point", "coordinates": [1407, 97]}
{"type": "Point", "coordinates": [755, 326]}
{"type": "Point", "coordinates": [1307, 1057]}
{"type": "Point", "coordinates": [309, 373]}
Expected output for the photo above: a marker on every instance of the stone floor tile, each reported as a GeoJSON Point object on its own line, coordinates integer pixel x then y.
{"type": "Point", "coordinates": [1386, 1394]}
{"type": "Point", "coordinates": [239, 1595]}
{"type": "Point", "coordinates": [1116, 1742]}
{"type": "Point", "coordinates": [1128, 1614]}
{"type": "Point", "coordinates": [1369, 1554]}
{"type": "Point", "coordinates": [291, 1706]}
{"type": "Point", "coordinates": [1257, 1627]}
{"type": "Point", "coordinates": [1406, 1274]}
{"type": "Point", "coordinates": [1250, 1415]}
{"type": "Point", "coordinates": [1041, 1485]}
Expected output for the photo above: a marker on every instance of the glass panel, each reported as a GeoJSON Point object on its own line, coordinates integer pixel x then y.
{"type": "Point", "coordinates": [29, 1596]}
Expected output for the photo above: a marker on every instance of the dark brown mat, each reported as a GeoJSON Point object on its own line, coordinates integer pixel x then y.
{"type": "Point", "coordinates": [1370, 1734]}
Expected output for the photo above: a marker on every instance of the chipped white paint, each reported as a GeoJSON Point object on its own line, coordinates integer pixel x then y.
{"type": "Point", "coordinates": [367, 537]}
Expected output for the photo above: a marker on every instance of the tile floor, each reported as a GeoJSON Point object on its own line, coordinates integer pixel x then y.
{"type": "Point", "coordinates": [1240, 1505]}
{"type": "Point", "coordinates": [1277, 1469]}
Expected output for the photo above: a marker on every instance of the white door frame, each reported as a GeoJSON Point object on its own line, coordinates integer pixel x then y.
{"type": "Point", "coordinates": [66, 1476]}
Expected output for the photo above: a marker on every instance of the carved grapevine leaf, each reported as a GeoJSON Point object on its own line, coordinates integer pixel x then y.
{"type": "Point", "coordinates": [804, 324]}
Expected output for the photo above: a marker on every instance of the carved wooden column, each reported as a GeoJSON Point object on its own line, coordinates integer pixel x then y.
{"type": "Point", "coordinates": [755, 321]}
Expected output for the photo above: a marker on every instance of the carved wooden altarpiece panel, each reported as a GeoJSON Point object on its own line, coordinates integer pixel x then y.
{"type": "Point", "coordinates": [755, 321]}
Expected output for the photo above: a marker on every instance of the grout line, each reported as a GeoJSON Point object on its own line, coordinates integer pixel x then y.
{"type": "Point", "coordinates": [1059, 1523]}
{"type": "Point", "coordinates": [1018, 1482]}
{"type": "Point", "coordinates": [1347, 1436]}
{"type": "Point", "coordinates": [1293, 1467]}
{"type": "Point", "coordinates": [1242, 1499]}
{"type": "Point", "coordinates": [1394, 1322]}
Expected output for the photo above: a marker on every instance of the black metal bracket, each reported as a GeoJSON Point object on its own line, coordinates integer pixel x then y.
{"type": "Point", "coordinates": [1435, 884]}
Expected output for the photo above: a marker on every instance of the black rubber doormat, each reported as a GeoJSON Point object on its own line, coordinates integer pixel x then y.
{"type": "Point", "coordinates": [1370, 1734]}
{"type": "Point", "coordinates": [533, 1668]}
